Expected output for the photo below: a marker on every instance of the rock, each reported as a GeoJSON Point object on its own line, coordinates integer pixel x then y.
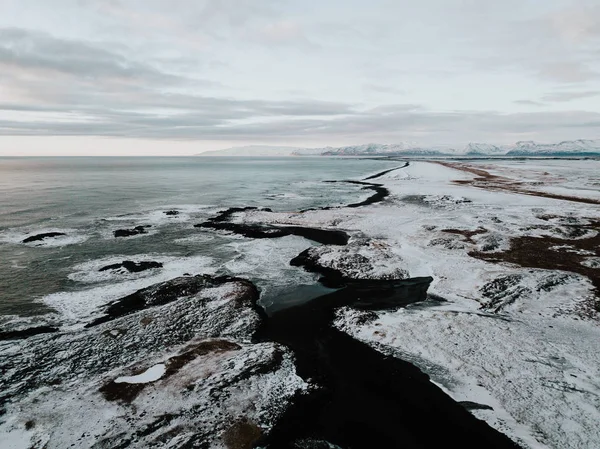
{"type": "Point", "coordinates": [132, 267]}
{"type": "Point", "coordinates": [131, 232]}
{"type": "Point", "coordinates": [172, 213]}
{"type": "Point", "coordinates": [361, 259]}
{"type": "Point", "coordinates": [475, 406]}
{"type": "Point", "coordinates": [591, 262]}
{"type": "Point", "coordinates": [178, 369]}
{"type": "Point", "coordinates": [166, 292]}
{"type": "Point", "coordinates": [447, 242]}
{"type": "Point", "coordinates": [39, 237]}
{"type": "Point", "coordinates": [259, 231]}
{"type": "Point", "coordinates": [26, 333]}
{"type": "Point", "coordinates": [503, 291]}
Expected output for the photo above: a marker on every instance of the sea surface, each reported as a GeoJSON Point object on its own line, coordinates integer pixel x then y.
{"type": "Point", "coordinates": [89, 198]}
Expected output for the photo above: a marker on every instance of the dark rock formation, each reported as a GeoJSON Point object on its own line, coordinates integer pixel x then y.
{"type": "Point", "coordinates": [368, 399]}
{"type": "Point", "coordinates": [380, 174]}
{"type": "Point", "coordinates": [325, 236]}
{"type": "Point", "coordinates": [265, 231]}
{"type": "Point", "coordinates": [380, 194]}
{"type": "Point", "coordinates": [131, 232]}
{"type": "Point", "coordinates": [178, 368]}
{"type": "Point", "coordinates": [351, 265]}
{"type": "Point", "coordinates": [26, 333]}
{"type": "Point", "coordinates": [39, 237]}
{"type": "Point", "coordinates": [133, 267]}
{"type": "Point", "coordinates": [166, 292]}
{"type": "Point", "coordinates": [172, 213]}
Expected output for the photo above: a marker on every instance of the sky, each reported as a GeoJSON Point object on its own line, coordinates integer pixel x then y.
{"type": "Point", "coordinates": [177, 77]}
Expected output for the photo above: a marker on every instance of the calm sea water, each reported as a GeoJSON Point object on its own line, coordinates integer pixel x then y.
{"type": "Point", "coordinates": [89, 198]}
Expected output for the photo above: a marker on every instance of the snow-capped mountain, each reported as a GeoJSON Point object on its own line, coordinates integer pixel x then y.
{"type": "Point", "coordinates": [524, 148]}
{"type": "Point", "coordinates": [368, 149]}
{"type": "Point", "coordinates": [376, 149]}
{"type": "Point", "coordinates": [485, 149]}
{"type": "Point", "coordinates": [565, 148]}
{"type": "Point", "coordinates": [261, 151]}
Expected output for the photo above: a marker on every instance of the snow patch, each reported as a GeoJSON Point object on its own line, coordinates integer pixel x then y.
{"type": "Point", "coordinates": [152, 374]}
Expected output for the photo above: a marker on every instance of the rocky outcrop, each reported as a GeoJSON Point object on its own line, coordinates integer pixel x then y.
{"type": "Point", "coordinates": [360, 260]}
{"type": "Point", "coordinates": [132, 267]}
{"type": "Point", "coordinates": [131, 232]}
{"type": "Point", "coordinates": [18, 334]}
{"type": "Point", "coordinates": [174, 365]}
{"type": "Point", "coordinates": [40, 237]}
{"type": "Point", "coordinates": [266, 231]}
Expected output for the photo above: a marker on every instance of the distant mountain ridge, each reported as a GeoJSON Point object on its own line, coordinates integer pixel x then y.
{"type": "Point", "coordinates": [574, 148]}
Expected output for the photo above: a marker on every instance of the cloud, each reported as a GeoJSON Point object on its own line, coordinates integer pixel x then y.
{"type": "Point", "coordinates": [36, 52]}
{"type": "Point", "coordinates": [578, 23]}
{"type": "Point", "coordinates": [560, 97]}
{"type": "Point", "coordinates": [246, 70]}
{"type": "Point", "coordinates": [567, 72]}
{"type": "Point", "coordinates": [282, 32]}
{"type": "Point", "coordinates": [388, 124]}
{"type": "Point", "coordinates": [528, 102]}
{"type": "Point", "coordinates": [381, 89]}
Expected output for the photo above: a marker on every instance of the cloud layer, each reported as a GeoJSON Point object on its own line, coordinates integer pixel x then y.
{"type": "Point", "coordinates": [440, 72]}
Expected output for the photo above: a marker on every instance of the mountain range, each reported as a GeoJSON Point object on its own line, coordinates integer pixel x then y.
{"type": "Point", "coordinates": [573, 148]}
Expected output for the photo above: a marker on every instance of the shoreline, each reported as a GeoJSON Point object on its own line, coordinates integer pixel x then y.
{"type": "Point", "coordinates": [436, 284]}
{"type": "Point", "coordinates": [342, 366]}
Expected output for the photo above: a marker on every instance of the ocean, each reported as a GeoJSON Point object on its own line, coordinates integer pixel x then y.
{"type": "Point", "coordinates": [87, 199]}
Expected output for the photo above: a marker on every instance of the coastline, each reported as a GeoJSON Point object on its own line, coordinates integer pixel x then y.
{"type": "Point", "coordinates": [421, 326]}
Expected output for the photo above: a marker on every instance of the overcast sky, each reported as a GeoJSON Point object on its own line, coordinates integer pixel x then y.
{"type": "Point", "coordinates": [182, 76]}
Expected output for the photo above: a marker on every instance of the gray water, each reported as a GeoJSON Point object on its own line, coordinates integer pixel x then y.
{"type": "Point", "coordinates": [89, 198]}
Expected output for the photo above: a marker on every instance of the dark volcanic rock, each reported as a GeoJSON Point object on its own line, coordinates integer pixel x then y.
{"type": "Point", "coordinates": [256, 231]}
{"type": "Point", "coordinates": [475, 406]}
{"type": "Point", "coordinates": [25, 333]}
{"type": "Point", "coordinates": [368, 399]}
{"type": "Point", "coordinates": [172, 213]}
{"type": "Point", "coordinates": [39, 237]}
{"type": "Point", "coordinates": [362, 260]}
{"type": "Point", "coordinates": [380, 174]}
{"type": "Point", "coordinates": [265, 231]}
{"type": "Point", "coordinates": [380, 194]}
{"type": "Point", "coordinates": [166, 292]}
{"type": "Point", "coordinates": [503, 291]}
{"type": "Point", "coordinates": [133, 267]}
{"type": "Point", "coordinates": [179, 370]}
{"type": "Point", "coordinates": [131, 232]}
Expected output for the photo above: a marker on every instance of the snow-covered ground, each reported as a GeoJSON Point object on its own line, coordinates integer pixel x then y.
{"type": "Point", "coordinates": [180, 373]}
{"type": "Point", "coordinates": [523, 341]}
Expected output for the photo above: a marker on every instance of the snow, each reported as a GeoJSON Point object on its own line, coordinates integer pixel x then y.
{"type": "Point", "coordinates": [529, 351]}
{"type": "Point", "coordinates": [182, 371]}
{"type": "Point", "coordinates": [14, 438]}
{"type": "Point", "coordinates": [522, 148]}
{"type": "Point", "coordinates": [152, 374]}
{"type": "Point", "coordinates": [542, 374]}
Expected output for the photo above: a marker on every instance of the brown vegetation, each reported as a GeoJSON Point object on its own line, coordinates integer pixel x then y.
{"type": "Point", "coordinates": [485, 180]}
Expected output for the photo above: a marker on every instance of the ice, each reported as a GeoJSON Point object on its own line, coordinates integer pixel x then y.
{"type": "Point", "coordinates": [152, 374]}
{"type": "Point", "coordinates": [266, 262]}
